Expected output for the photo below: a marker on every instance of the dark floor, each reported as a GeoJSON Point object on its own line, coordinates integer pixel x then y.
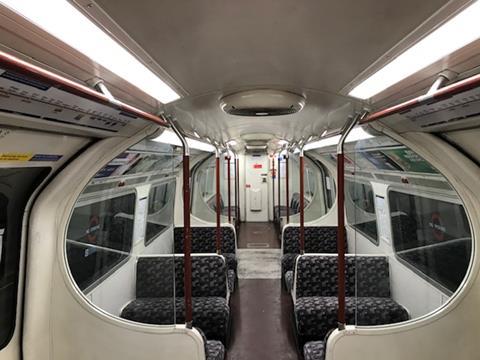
{"type": "Point", "coordinates": [258, 235]}
{"type": "Point", "coordinates": [261, 311]}
{"type": "Point", "coordinates": [261, 322]}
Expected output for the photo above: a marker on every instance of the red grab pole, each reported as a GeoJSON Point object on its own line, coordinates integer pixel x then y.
{"type": "Point", "coordinates": [273, 185]}
{"type": "Point", "coordinates": [302, 203]}
{"type": "Point", "coordinates": [218, 237]}
{"type": "Point", "coordinates": [341, 217]}
{"type": "Point", "coordinates": [341, 239]}
{"type": "Point", "coordinates": [237, 176]}
{"type": "Point", "coordinates": [187, 234]}
{"type": "Point", "coordinates": [228, 187]}
{"type": "Point", "coordinates": [287, 184]}
{"type": "Point", "coordinates": [279, 177]}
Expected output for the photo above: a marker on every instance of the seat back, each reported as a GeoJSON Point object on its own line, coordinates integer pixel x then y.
{"type": "Point", "coordinates": [155, 277]}
{"type": "Point", "coordinates": [316, 275]}
{"type": "Point", "coordinates": [203, 239]}
{"type": "Point", "coordinates": [318, 239]}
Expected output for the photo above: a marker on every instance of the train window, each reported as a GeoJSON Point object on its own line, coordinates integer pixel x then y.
{"type": "Point", "coordinates": [160, 210]}
{"type": "Point", "coordinates": [432, 236]}
{"type": "Point", "coordinates": [99, 237]}
{"type": "Point", "coordinates": [361, 209]}
{"type": "Point", "coordinates": [16, 188]}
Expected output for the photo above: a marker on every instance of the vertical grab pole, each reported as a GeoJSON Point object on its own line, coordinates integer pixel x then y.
{"type": "Point", "coordinates": [218, 235]}
{"type": "Point", "coordinates": [273, 186]}
{"type": "Point", "coordinates": [187, 233]}
{"type": "Point", "coordinates": [302, 202]}
{"type": "Point", "coordinates": [229, 189]}
{"type": "Point", "coordinates": [235, 188]}
{"type": "Point", "coordinates": [238, 187]}
{"type": "Point", "coordinates": [287, 185]}
{"type": "Point", "coordinates": [279, 177]}
{"type": "Point", "coordinates": [341, 217]}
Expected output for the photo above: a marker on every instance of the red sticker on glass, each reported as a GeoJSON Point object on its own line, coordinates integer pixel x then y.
{"type": "Point", "coordinates": [257, 166]}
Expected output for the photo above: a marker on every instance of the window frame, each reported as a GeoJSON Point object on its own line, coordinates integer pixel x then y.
{"type": "Point", "coordinates": [88, 200]}
{"type": "Point", "coordinates": [171, 181]}
{"type": "Point", "coordinates": [453, 199]}
{"type": "Point", "coordinates": [374, 241]}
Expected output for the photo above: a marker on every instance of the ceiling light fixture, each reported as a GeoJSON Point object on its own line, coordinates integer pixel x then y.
{"type": "Point", "coordinates": [66, 23]}
{"type": "Point", "coordinates": [355, 135]}
{"type": "Point", "coordinates": [459, 31]}
{"type": "Point", "coordinates": [169, 137]}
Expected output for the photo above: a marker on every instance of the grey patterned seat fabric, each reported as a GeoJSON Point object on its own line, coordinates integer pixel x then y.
{"type": "Point", "coordinates": [214, 349]}
{"type": "Point", "coordinates": [211, 314]}
{"type": "Point", "coordinates": [317, 315]}
{"type": "Point", "coordinates": [367, 286]}
{"type": "Point", "coordinates": [203, 241]}
{"type": "Point", "coordinates": [156, 285]}
{"type": "Point", "coordinates": [314, 350]}
{"type": "Point", "coordinates": [289, 280]}
{"type": "Point", "coordinates": [231, 279]}
{"type": "Point", "coordinates": [318, 239]}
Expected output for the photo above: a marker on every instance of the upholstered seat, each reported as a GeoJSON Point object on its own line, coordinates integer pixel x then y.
{"type": "Point", "coordinates": [210, 314]}
{"type": "Point", "coordinates": [318, 239]}
{"type": "Point", "coordinates": [314, 350]}
{"type": "Point", "coordinates": [316, 316]}
{"type": "Point", "coordinates": [203, 241]}
{"type": "Point", "coordinates": [214, 350]}
{"type": "Point", "coordinates": [231, 279]}
{"type": "Point", "coordinates": [367, 288]}
{"type": "Point", "coordinates": [155, 286]}
{"type": "Point", "coordinates": [289, 280]}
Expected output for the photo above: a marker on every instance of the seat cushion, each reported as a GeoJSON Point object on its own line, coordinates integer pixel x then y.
{"type": "Point", "coordinates": [314, 350]}
{"type": "Point", "coordinates": [315, 316]}
{"type": "Point", "coordinates": [231, 261]}
{"type": "Point", "coordinates": [231, 277]}
{"type": "Point", "coordinates": [288, 262]}
{"type": "Point", "coordinates": [214, 350]}
{"type": "Point", "coordinates": [210, 314]}
{"type": "Point", "coordinates": [289, 280]}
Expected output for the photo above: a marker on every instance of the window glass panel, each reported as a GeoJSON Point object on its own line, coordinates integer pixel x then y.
{"type": "Point", "coordinates": [99, 237]}
{"type": "Point", "coordinates": [160, 210]}
{"type": "Point", "coordinates": [119, 242]}
{"type": "Point", "coordinates": [431, 235]}
{"type": "Point", "coordinates": [16, 188]}
{"type": "Point", "coordinates": [360, 209]}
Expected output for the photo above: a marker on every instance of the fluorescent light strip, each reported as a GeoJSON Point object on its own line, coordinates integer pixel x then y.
{"type": "Point", "coordinates": [65, 22]}
{"type": "Point", "coordinates": [169, 137]}
{"type": "Point", "coordinates": [456, 33]}
{"type": "Point", "coordinates": [355, 135]}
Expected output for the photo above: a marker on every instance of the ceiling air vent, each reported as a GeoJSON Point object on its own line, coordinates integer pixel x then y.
{"type": "Point", "coordinates": [262, 102]}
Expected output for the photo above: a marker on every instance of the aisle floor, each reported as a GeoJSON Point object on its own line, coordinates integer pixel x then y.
{"type": "Point", "coordinates": [262, 325]}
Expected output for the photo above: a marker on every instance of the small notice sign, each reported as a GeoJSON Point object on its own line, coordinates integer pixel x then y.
{"type": "Point", "coordinates": [257, 166]}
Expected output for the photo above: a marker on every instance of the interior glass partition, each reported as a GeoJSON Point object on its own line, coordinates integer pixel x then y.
{"type": "Point", "coordinates": [119, 241]}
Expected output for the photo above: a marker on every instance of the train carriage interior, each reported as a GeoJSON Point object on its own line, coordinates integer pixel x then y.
{"type": "Point", "coordinates": [240, 180]}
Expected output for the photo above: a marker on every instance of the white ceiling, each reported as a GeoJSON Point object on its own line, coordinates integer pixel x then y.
{"type": "Point", "coordinates": [215, 47]}
{"type": "Point", "coordinates": [227, 44]}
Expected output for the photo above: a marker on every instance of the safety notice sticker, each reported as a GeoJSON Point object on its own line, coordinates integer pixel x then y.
{"type": "Point", "coordinates": [14, 156]}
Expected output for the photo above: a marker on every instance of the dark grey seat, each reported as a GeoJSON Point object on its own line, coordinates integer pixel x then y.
{"type": "Point", "coordinates": [154, 303]}
{"type": "Point", "coordinates": [203, 241]}
{"type": "Point", "coordinates": [318, 239]}
{"type": "Point", "coordinates": [314, 350]}
{"type": "Point", "coordinates": [368, 299]}
{"type": "Point", "coordinates": [214, 349]}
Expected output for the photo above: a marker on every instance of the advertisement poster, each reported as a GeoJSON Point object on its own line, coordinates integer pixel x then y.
{"type": "Point", "coordinates": [410, 161]}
